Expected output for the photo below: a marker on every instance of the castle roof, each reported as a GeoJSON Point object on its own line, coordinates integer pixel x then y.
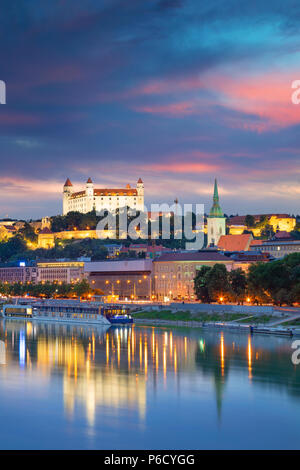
{"type": "Point", "coordinates": [89, 181]}
{"type": "Point", "coordinates": [68, 182]}
{"type": "Point", "coordinates": [115, 192]}
{"type": "Point", "coordinates": [77, 194]}
{"type": "Point", "coordinates": [107, 192]}
{"type": "Point", "coordinates": [140, 180]}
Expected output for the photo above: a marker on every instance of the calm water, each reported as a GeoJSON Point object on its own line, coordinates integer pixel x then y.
{"type": "Point", "coordinates": [157, 388]}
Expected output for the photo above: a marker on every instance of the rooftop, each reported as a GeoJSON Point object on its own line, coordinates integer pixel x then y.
{"type": "Point", "coordinates": [235, 242]}
{"type": "Point", "coordinates": [193, 256]}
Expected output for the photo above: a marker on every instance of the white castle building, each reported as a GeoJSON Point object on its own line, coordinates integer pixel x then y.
{"type": "Point", "coordinates": [111, 199]}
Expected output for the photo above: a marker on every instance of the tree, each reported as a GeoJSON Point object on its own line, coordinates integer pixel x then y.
{"type": "Point", "coordinates": [200, 284]}
{"type": "Point", "coordinates": [238, 284]}
{"type": "Point", "coordinates": [28, 233]}
{"type": "Point", "coordinates": [275, 282]}
{"type": "Point", "coordinates": [211, 284]}
{"type": "Point", "coordinates": [249, 220]}
{"type": "Point", "coordinates": [267, 231]}
{"type": "Point", "coordinates": [82, 289]}
{"type": "Point", "coordinates": [218, 282]}
{"type": "Point", "coordinates": [255, 278]}
{"type": "Point", "coordinates": [12, 248]}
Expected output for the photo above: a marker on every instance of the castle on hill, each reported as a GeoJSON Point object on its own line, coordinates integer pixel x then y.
{"type": "Point", "coordinates": [98, 199]}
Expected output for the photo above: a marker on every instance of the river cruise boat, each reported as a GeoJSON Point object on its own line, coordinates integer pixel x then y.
{"type": "Point", "coordinates": [118, 315]}
{"type": "Point", "coordinates": [68, 311]}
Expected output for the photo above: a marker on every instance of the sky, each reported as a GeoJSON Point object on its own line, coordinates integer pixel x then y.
{"type": "Point", "coordinates": [176, 92]}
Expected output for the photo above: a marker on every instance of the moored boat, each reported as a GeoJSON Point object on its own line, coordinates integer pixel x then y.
{"type": "Point", "coordinates": [64, 311]}
{"type": "Point", "coordinates": [69, 311]}
{"type": "Point", "coordinates": [118, 315]}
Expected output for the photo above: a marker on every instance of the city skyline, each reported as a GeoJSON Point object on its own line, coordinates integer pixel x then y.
{"type": "Point", "coordinates": [171, 91]}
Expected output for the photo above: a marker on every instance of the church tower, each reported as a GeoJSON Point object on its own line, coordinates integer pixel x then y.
{"type": "Point", "coordinates": [216, 222]}
{"type": "Point", "coordinates": [67, 191]}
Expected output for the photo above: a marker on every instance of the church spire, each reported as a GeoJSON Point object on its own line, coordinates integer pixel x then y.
{"type": "Point", "coordinates": [216, 193]}
{"type": "Point", "coordinates": [216, 210]}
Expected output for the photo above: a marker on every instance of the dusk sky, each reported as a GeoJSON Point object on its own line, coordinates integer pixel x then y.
{"type": "Point", "coordinates": [176, 92]}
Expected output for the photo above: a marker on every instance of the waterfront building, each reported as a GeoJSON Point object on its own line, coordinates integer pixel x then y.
{"type": "Point", "coordinates": [101, 198]}
{"type": "Point", "coordinates": [276, 248]}
{"type": "Point", "coordinates": [244, 259]}
{"type": "Point", "coordinates": [216, 222]}
{"type": "Point", "coordinates": [127, 279]}
{"type": "Point", "coordinates": [174, 273]}
{"type": "Point", "coordinates": [11, 273]}
{"type": "Point", "coordinates": [60, 271]}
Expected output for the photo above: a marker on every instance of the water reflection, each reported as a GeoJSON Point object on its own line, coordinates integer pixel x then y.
{"type": "Point", "coordinates": [118, 367]}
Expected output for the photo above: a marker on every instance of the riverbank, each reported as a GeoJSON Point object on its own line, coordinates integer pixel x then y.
{"type": "Point", "coordinates": [195, 319]}
{"type": "Point", "coordinates": [236, 322]}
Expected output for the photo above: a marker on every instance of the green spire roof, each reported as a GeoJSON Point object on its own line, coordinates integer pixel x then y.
{"type": "Point", "coordinates": [216, 210]}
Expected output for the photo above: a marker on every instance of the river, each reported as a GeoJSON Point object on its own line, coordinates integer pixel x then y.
{"type": "Point", "coordinates": [73, 387]}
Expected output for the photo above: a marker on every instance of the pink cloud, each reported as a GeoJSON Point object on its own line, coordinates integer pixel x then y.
{"type": "Point", "coordinates": [13, 119]}
{"type": "Point", "coordinates": [182, 108]}
{"type": "Point", "coordinates": [184, 167]}
{"type": "Point", "coordinates": [267, 97]}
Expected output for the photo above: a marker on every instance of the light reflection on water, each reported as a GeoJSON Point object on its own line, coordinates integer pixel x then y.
{"type": "Point", "coordinates": [64, 386]}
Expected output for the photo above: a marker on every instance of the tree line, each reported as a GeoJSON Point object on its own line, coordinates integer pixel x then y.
{"type": "Point", "coordinates": [16, 249]}
{"type": "Point", "coordinates": [48, 290]}
{"type": "Point", "coordinates": [276, 282]}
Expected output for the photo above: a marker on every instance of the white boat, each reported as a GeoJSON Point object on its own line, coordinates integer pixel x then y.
{"type": "Point", "coordinates": [57, 311]}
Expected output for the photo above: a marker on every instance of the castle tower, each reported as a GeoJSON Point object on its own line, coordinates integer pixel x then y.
{"type": "Point", "coordinates": [140, 195]}
{"type": "Point", "coordinates": [67, 191]}
{"type": "Point", "coordinates": [89, 192]}
{"type": "Point", "coordinates": [216, 222]}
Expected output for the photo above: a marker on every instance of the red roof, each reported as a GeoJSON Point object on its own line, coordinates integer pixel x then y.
{"type": "Point", "coordinates": [115, 192]}
{"type": "Point", "coordinates": [107, 192]}
{"type": "Point", "coordinates": [79, 193]}
{"type": "Point", "coordinates": [235, 242]}
{"type": "Point", "coordinates": [140, 180]}
{"type": "Point", "coordinates": [282, 234]}
{"type": "Point", "coordinates": [68, 182]}
{"type": "Point", "coordinates": [256, 242]}
{"type": "Point", "coordinates": [45, 230]}
{"type": "Point", "coordinates": [89, 180]}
